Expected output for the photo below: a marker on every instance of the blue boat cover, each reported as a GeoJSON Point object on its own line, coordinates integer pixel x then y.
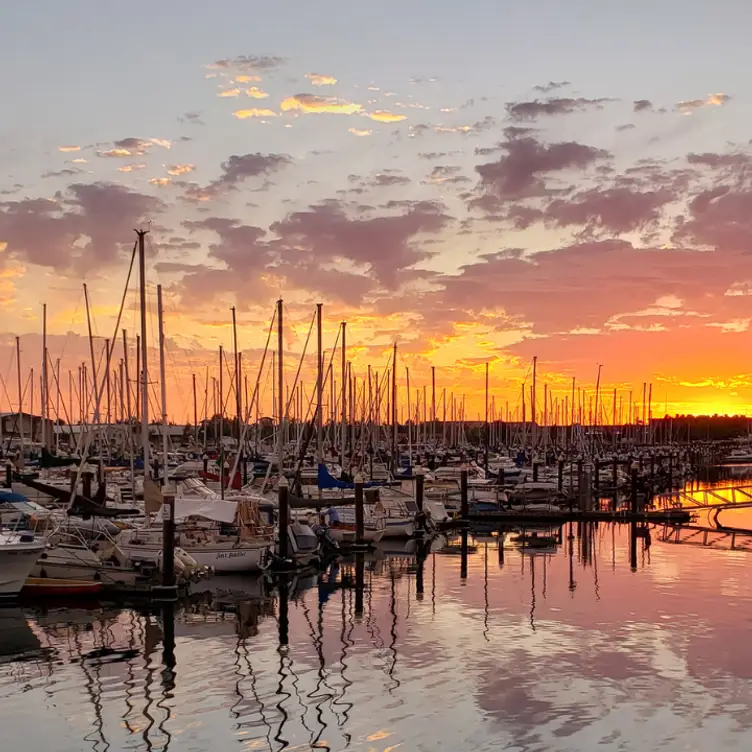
{"type": "Point", "coordinates": [326, 480]}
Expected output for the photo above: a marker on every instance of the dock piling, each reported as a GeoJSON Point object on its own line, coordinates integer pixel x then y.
{"type": "Point", "coordinates": [284, 516]}
{"type": "Point", "coordinates": [464, 512]}
{"type": "Point", "coordinates": [359, 511]}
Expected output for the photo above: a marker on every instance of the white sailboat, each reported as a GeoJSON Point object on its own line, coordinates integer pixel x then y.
{"type": "Point", "coordinates": [19, 552]}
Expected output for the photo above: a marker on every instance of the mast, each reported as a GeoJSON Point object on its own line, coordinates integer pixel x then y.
{"type": "Point", "coordinates": [45, 441]}
{"type": "Point", "coordinates": [221, 405]}
{"type": "Point", "coordinates": [163, 383]}
{"type": "Point", "coordinates": [343, 431]}
{"type": "Point", "coordinates": [280, 389]}
{"type": "Point", "coordinates": [238, 398]}
{"type": "Point", "coordinates": [319, 387]}
{"type": "Point", "coordinates": [394, 408]}
{"type": "Point", "coordinates": [195, 412]}
{"type": "Point", "coordinates": [485, 426]}
{"type": "Point", "coordinates": [144, 358]}
{"type": "Point", "coordinates": [532, 404]}
{"type": "Point", "coordinates": [433, 405]}
{"type": "Point", "coordinates": [57, 398]}
{"type": "Point", "coordinates": [409, 419]}
{"type": "Point", "coordinates": [20, 392]}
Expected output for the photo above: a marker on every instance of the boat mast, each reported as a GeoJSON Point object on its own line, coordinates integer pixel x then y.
{"type": "Point", "coordinates": [280, 389]}
{"type": "Point", "coordinates": [394, 408]}
{"type": "Point", "coordinates": [319, 389]}
{"type": "Point", "coordinates": [532, 404]}
{"type": "Point", "coordinates": [44, 376]}
{"type": "Point", "coordinates": [160, 318]}
{"type": "Point", "coordinates": [20, 393]}
{"type": "Point", "coordinates": [409, 419]}
{"type": "Point", "coordinates": [221, 432]}
{"type": "Point", "coordinates": [144, 367]}
{"type": "Point", "coordinates": [238, 398]}
{"type": "Point", "coordinates": [343, 431]}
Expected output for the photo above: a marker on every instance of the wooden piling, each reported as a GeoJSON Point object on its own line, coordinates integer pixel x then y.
{"type": "Point", "coordinates": [464, 512]}
{"type": "Point", "coordinates": [635, 468]}
{"type": "Point", "coordinates": [284, 517]}
{"type": "Point", "coordinates": [359, 511]}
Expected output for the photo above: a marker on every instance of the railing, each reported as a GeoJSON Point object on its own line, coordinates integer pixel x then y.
{"type": "Point", "coordinates": [706, 498]}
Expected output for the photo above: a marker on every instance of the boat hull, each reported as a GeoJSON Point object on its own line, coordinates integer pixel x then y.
{"type": "Point", "coordinates": [16, 563]}
{"type": "Point", "coordinates": [223, 559]}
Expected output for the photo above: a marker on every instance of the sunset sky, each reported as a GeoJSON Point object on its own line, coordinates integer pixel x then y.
{"type": "Point", "coordinates": [484, 181]}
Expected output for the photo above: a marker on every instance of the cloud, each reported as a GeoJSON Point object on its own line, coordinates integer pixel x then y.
{"type": "Point", "coordinates": [688, 106]}
{"type": "Point", "coordinates": [249, 63]}
{"type": "Point", "coordinates": [180, 169]}
{"type": "Point", "coordinates": [614, 210]}
{"type": "Point", "coordinates": [244, 79]}
{"type": "Point", "coordinates": [312, 103]}
{"type": "Point", "coordinates": [255, 93]}
{"type": "Point", "coordinates": [161, 182]}
{"type": "Point", "coordinates": [254, 112]}
{"type": "Point", "coordinates": [86, 227]}
{"type": "Point", "coordinates": [557, 106]}
{"type": "Point", "coordinates": [384, 116]}
{"type": "Point", "coordinates": [736, 160]}
{"type": "Point", "coordinates": [319, 79]}
{"type": "Point", "coordinates": [79, 160]}
{"type": "Point", "coordinates": [384, 179]}
{"type": "Point", "coordinates": [132, 167]}
{"type": "Point", "coordinates": [642, 105]}
{"type": "Point", "coordinates": [384, 246]}
{"type": "Point", "coordinates": [550, 86]}
{"type": "Point", "coordinates": [359, 132]}
{"type": "Point", "coordinates": [68, 148]}
{"type": "Point", "coordinates": [229, 93]}
{"type": "Point", "coordinates": [236, 170]}
{"type": "Point", "coordinates": [191, 118]}
{"type": "Point", "coordinates": [133, 147]}
{"type": "Point", "coordinates": [520, 172]}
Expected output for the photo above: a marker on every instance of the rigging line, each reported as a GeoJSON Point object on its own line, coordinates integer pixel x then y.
{"type": "Point", "coordinates": [100, 390]}
{"type": "Point", "coordinates": [249, 407]}
{"type": "Point", "coordinates": [300, 365]}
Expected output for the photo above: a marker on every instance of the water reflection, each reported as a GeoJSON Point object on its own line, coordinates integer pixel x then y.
{"type": "Point", "coordinates": [587, 635]}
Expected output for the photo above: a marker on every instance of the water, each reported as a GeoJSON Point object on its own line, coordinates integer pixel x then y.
{"type": "Point", "coordinates": [570, 650]}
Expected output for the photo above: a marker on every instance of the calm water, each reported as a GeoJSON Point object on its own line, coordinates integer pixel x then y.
{"type": "Point", "coordinates": [570, 650]}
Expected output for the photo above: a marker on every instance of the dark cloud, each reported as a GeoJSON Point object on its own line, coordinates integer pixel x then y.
{"type": "Point", "coordinates": [551, 86]}
{"type": "Point", "coordinates": [556, 106]}
{"type": "Point", "coordinates": [86, 226]}
{"type": "Point", "coordinates": [736, 160]}
{"type": "Point", "coordinates": [520, 172]}
{"type": "Point", "coordinates": [612, 210]}
{"type": "Point", "coordinates": [384, 246]}
{"type": "Point", "coordinates": [626, 127]}
{"type": "Point", "coordinates": [191, 118]}
{"type": "Point", "coordinates": [235, 171]}
{"type": "Point", "coordinates": [257, 63]}
{"type": "Point", "coordinates": [641, 105]}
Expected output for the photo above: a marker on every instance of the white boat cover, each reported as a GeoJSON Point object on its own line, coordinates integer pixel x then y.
{"type": "Point", "coordinates": [210, 509]}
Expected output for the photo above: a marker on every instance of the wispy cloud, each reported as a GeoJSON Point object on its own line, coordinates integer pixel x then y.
{"type": "Point", "coordinates": [688, 106]}
{"type": "Point", "coordinates": [68, 148]}
{"type": "Point", "coordinates": [132, 167]}
{"type": "Point", "coordinates": [254, 112]}
{"type": "Point", "coordinates": [255, 93]}
{"type": "Point", "coordinates": [229, 93]}
{"type": "Point", "coordinates": [556, 106]}
{"type": "Point", "coordinates": [384, 116]}
{"type": "Point", "coordinates": [161, 182]}
{"type": "Point", "coordinates": [320, 79]}
{"type": "Point", "coordinates": [244, 78]}
{"type": "Point", "coordinates": [249, 63]}
{"type": "Point", "coordinates": [180, 169]}
{"type": "Point", "coordinates": [360, 132]}
{"type": "Point", "coordinates": [313, 104]}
